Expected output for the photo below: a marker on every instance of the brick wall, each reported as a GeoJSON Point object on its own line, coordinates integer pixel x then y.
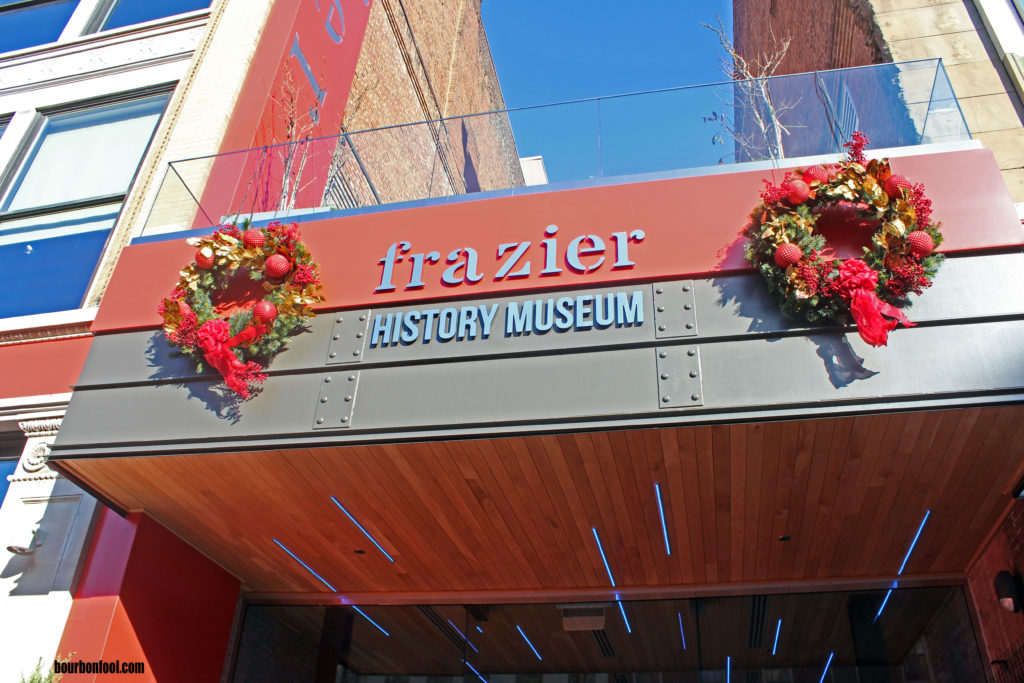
{"type": "Point", "coordinates": [423, 62]}
{"type": "Point", "coordinates": [1000, 632]}
{"type": "Point", "coordinates": [829, 34]}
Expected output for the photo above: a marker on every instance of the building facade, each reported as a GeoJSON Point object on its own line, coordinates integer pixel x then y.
{"type": "Point", "coordinates": [558, 430]}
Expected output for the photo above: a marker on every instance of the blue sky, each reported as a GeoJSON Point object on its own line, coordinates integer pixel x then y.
{"type": "Point", "coordinates": [556, 50]}
{"type": "Point", "coordinates": [559, 50]}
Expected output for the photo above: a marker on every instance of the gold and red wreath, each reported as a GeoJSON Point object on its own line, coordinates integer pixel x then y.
{"type": "Point", "coordinates": [863, 195]}
{"type": "Point", "coordinates": [239, 346]}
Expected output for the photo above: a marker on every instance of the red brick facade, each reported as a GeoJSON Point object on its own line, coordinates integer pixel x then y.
{"type": "Point", "coordinates": [835, 35]}
{"type": "Point", "coordinates": [423, 62]}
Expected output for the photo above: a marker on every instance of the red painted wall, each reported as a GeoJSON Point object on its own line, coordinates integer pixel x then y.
{"type": "Point", "coordinates": [302, 72]}
{"type": "Point", "coordinates": [692, 226]}
{"type": "Point", "coordinates": [146, 595]}
{"type": "Point", "coordinates": [45, 367]}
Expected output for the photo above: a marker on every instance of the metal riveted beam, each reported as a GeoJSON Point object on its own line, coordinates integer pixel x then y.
{"type": "Point", "coordinates": [679, 381]}
{"type": "Point", "coordinates": [348, 337]}
{"type": "Point", "coordinates": [336, 400]}
{"type": "Point", "coordinates": [674, 312]}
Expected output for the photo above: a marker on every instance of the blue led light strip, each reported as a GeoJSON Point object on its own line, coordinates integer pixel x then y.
{"type": "Point", "coordinates": [903, 565]}
{"type": "Point", "coordinates": [366, 616]}
{"type": "Point", "coordinates": [308, 568]}
{"type": "Point", "coordinates": [778, 629]}
{"type": "Point", "coordinates": [473, 668]}
{"type": "Point", "coordinates": [913, 543]}
{"type": "Point", "coordinates": [360, 526]}
{"type": "Point", "coordinates": [661, 512]}
{"type": "Point", "coordinates": [622, 609]}
{"type": "Point", "coordinates": [681, 634]}
{"type": "Point", "coordinates": [823, 673]}
{"type": "Point", "coordinates": [604, 559]}
{"type": "Point", "coordinates": [728, 669]}
{"type": "Point", "coordinates": [457, 630]}
{"type": "Point", "coordinates": [528, 642]}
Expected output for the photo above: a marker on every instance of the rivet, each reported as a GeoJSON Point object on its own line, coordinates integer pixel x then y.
{"type": "Point", "coordinates": [686, 288]}
{"type": "Point", "coordinates": [359, 335]}
{"type": "Point", "coordinates": [323, 399]}
{"type": "Point", "coordinates": [693, 373]}
{"type": "Point", "coordinates": [338, 319]}
{"type": "Point", "coordinates": [337, 337]}
{"type": "Point", "coordinates": [691, 352]}
{"type": "Point", "coordinates": [344, 418]}
{"type": "Point", "coordinates": [661, 328]}
{"type": "Point", "coordinates": [319, 420]}
{"type": "Point", "coordinates": [351, 378]}
{"type": "Point", "coordinates": [687, 306]}
{"type": "Point", "coordinates": [327, 379]}
{"type": "Point", "coordinates": [694, 397]}
{"type": "Point", "coordinates": [355, 353]}
{"type": "Point", "coordinates": [333, 354]}
{"type": "Point", "coordinates": [663, 354]}
{"type": "Point", "coordinates": [666, 399]}
{"type": "Point", "coordinates": [348, 398]}
{"type": "Point", "coordinates": [362, 317]}
{"type": "Point", "coordinates": [661, 309]}
{"type": "Point", "coordinates": [689, 326]}
{"type": "Point", "coordinates": [659, 290]}
{"type": "Point", "coordinates": [664, 375]}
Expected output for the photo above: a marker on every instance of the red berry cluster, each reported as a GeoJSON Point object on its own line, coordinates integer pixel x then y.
{"type": "Point", "coordinates": [922, 205]}
{"type": "Point", "coordinates": [249, 375]}
{"type": "Point", "coordinates": [909, 277]}
{"type": "Point", "coordinates": [773, 194]}
{"type": "Point", "coordinates": [230, 230]}
{"type": "Point", "coordinates": [187, 333]}
{"type": "Point", "coordinates": [855, 147]}
{"type": "Point", "coordinates": [284, 235]}
{"type": "Point", "coordinates": [819, 275]}
{"type": "Point", "coordinates": [305, 275]}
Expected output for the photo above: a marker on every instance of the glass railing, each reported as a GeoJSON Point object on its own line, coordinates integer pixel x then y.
{"type": "Point", "coordinates": [605, 139]}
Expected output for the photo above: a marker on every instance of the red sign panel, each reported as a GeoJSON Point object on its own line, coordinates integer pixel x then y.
{"type": "Point", "coordinates": [556, 240]}
{"type": "Point", "coordinates": [296, 90]}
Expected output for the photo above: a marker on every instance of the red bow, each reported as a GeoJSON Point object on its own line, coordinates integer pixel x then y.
{"type": "Point", "coordinates": [216, 348]}
{"type": "Point", "coordinates": [857, 283]}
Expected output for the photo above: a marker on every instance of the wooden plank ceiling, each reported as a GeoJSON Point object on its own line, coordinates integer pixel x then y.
{"type": "Point", "coordinates": [517, 513]}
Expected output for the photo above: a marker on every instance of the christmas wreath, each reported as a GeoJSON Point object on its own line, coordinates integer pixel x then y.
{"type": "Point", "coordinates": [858, 194]}
{"type": "Point", "coordinates": [238, 347]}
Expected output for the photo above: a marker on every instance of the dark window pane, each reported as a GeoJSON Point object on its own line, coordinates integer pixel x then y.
{"type": "Point", "coordinates": [22, 27]}
{"type": "Point", "coordinates": [127, 12]}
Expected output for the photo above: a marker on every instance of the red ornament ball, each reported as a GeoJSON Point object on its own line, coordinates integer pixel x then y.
{"type": "Point", "coordinates": [799, 191]}
{"type": "Point", "coordinates": [277, 266]}
{"type": "Point", "coordinates": [816, 173]}
{"type": "Point", "coordinates": [204, 258]}
{"type": "Point", "coordinates": [254, 238]}
{"type": "Point", "coordinates": [787, 255]}
{"type": "Point", "coordinates": [896, 185]}
{"type": "Point", "coordinates": [264, 312]}
{"type": "Point", "coordinates": [921, 243]}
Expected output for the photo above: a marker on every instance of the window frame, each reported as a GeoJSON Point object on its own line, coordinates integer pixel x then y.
{"type": "Point", "coordinates": [29, 142]}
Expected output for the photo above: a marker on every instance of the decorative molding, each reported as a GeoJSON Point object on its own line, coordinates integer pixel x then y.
{"type": "Point", "coordinates": [35, 459]}
{"type": "Point", "coordinates": [43, 475]}
{"type": "Point", "coordinates": [40, 428]}
{"type": "Point", "coordinates": [49, 333]}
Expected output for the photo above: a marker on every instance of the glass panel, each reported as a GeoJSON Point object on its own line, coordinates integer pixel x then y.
{"type": "Point", "coordinates": [86, 154]}
{"type": "Point", "coordinates": [923, 635]}
{"type": "Point", "coordinates": [127, 12]}
{"type": "Point", "coordinates": [49, 260]}
{"type": "Point", "coordinates": [22, 27]}
{"type": "Point", "coordinates": [7, 468]}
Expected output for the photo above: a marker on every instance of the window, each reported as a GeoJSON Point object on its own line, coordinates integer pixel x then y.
{"type": "Point", "coordinates": [11, 445]}
{"type": "Point", "coordinates": [64, 200]}
{"type": "Point", "coordinates": [127, 12]}
{"type": "Point", "coordinates": [26, 23]}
